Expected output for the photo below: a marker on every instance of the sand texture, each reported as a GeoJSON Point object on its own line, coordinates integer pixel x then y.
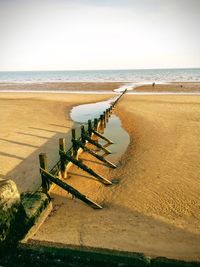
{"type": "Point", "coordinates": [31, 124]}
{"type": "Point", "coordinates": [185, 87]}
{"type": "Point", "coordinates": [63, 86]}
{"type": "Point", "coordinates": [153, 206]}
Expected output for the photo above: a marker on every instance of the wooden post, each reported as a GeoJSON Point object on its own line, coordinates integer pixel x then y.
{"type": "Point", "coordinates": [43, 165]}
{"type": "Point", "coordinates": [62, 147]}
{"type": "Point", "coordinates": [89, 127]}
{"type": "Point", "coordinates": [83, 134]}
{"type": "Point", "coordinates": [99, 157]}
{"type": "Point", "coordinates": [62, 144]}
{"type": "Point", "coordinates": [107, 115]}
{"type": "Point", "coordinates": [95, 129]}
{"type": "Point", "coordinates": [95, 124]}
{"type": "Point", "coordinates": [87, 169]}
{"type": "Point", "coordinates": [104, 118]}
{"type": "Point", "coordinates": [70, 189]}
{"type": "Point", "coordinates": [101, 120]}
{"type": "Point", "coordinates": [102, 137]}
{"type": "Point", "coordinates": [101, 126]}
{"type": "Point", "coordinates": [98, 123]}
{"type": "Point", "coordinates": [73, 133]}
{"type": "Point", "coordinates": [93, 142]}
{"type": "Point", "coordinates": [75, 149]}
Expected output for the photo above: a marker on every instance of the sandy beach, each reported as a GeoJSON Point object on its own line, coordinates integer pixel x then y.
{"type": "Point", "coordinates": [32, 124]}
{"type": "Point", "coordinates": [153, 204]}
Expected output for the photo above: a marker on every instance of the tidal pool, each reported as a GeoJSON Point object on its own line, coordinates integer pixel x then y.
{"type": "Point", "coordinates": [114, 131]}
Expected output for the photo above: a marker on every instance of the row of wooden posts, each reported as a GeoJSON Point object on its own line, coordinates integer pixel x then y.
{"type": "Point", "coordinates": [68, 157]}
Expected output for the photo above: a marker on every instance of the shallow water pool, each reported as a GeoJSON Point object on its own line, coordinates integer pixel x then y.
{"type": "Point", "coordinates": [114, 131]}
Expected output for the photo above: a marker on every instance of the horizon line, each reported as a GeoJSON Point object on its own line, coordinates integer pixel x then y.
{"type": "Point", "coordinates": [39, 70]}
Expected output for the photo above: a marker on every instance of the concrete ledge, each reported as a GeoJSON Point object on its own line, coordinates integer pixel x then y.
{"type": "Point", "coordinates": [18, 213]}
{"type": "Point", "coordinates": [9, 194]}
{"type": "Point", "coordinates": [11, 213]}
{"type": "Point", "coordinates": [43, 215]}
{"type": "Point", "coordinates": [34, 203]}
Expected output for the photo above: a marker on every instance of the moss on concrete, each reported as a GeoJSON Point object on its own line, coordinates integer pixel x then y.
{"type": "Point", "coordinates": [81, 257]}
{"type": "Point", "coordinates": [40, 255]}
{"type": "Point", "coordinates": [34, 203]}
{"type": "Point", "coordinates": [11, 214]}
{"type": "Point", "coordinates": [18, 213]}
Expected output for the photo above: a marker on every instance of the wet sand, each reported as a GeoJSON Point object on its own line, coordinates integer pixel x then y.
{"type": "Point", "coordinates": [63, 86]}
{"type": "Point", "coordinates": [185, 87]}
{"type": "Point", "coordinates": [153, 205]}
{"type": "Point", "coordinates": [31, 124]}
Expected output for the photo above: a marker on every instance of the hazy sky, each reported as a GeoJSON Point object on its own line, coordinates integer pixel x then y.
{"type": "Point", "coordinates": [99, 34]}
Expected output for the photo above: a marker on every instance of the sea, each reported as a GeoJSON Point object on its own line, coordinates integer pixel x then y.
{"type": "Point", "coordinates": [143, 76]}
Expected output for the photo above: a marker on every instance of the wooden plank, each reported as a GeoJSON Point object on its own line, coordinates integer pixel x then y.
{"type": "Point", "coordinates": [107, 116]}
{"type": "Point", "coordinates": [102, 123]}
{"type": "Point", "coordinates": [75, 149]}
{"type": "Point", "coordinates": [70, 189]}
{"type": "Point", "coordinates": [43, 165]}
{"type": "Point", "coordinates": [95, 124]}
{"type": "Point", "coordinates": [104, 119]}
{"type": "Point", "coordinates": [62, 147]}
{"type": "Point", "coordinates": [87, 169]}
{"type": "Point", "coordinates": [73, 133]}
{"type": "Point", "coordinates": [97, 145]}
{"type": "Point", "coordinates": [83, 134]}
{"type": "Point", "coordinates": [89, 127]}
{"type": "Point", "coordinates": [102, 137]}
{"type": "Point", "coordinates": [99, 157]}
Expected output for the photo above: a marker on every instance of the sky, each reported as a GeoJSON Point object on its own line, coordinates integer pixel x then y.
{"type": "Point", "coordinates": [99, 34]}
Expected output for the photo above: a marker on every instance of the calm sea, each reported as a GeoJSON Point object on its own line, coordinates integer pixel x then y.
{"type": "Point", "coordinates": [137, 76]}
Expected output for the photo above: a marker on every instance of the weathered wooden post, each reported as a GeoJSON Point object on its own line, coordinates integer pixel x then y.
{"type": "Point", "coordinates": [75, 148]}
{"type": "Point", "coordinates": [62, 147]}
{"type": "Point", "coordinates": [108, 113]}
{"type": "Point", "coordinates": [101, 120]}
{"type": "Point", "coordinates": [72, 190]}
{"type": "Point", "coordinates": [89, 127]}
{"type": "Point", "coordinates": [73, 133]}
{"type": "Point", "coordinates": [107, 116]}
{"type": "Point", "coordinates": [104, 119]}
{"type": "Point", "coordinates": [43, 165]}
{"type": "Point", "coordinates": [95, 124]}
{"type": "Point", "coordinates": [87, 169]}
{"type": "Point", "coordinates": [95, 128]}
{"type": "Point", "coordinates": [83, 134]}
{"type": "Point", "coordinates": [101, 127]}
{"type": "Point", "coordinates": [99, 157]}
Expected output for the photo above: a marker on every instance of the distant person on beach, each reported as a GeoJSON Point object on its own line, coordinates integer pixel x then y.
{"type": "Point", "coordinates": [153, 84]}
